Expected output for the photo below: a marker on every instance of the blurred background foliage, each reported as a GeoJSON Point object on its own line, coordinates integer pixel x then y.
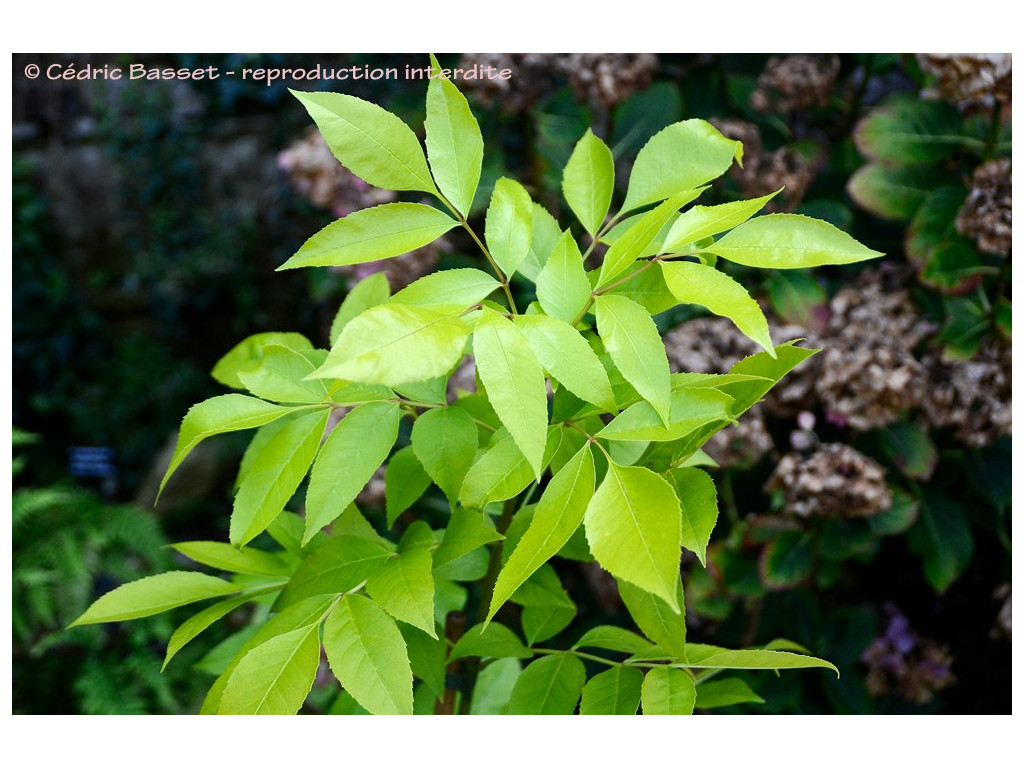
{"type": "Point", "coordinates": [864, 506]}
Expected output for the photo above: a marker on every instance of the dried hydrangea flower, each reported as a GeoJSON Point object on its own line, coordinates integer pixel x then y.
{"type": "Point", "coordinates": [971, 80]}
{"type": "Point", "coordinates": [743, 444]}
{"type": "Point", "coordinates": [533, 77]}
{"type": "Point", "coordinates": [904, 664]}
{"type": "Point", "coordinates": [1003, 628]}
{"type": "Point", "coordinates": [795, 82]}
{"type": "Point", "coordinates": [987, 213]}
{"type": "Point", "coordinates": [835, 480]}
{"type": "Point", "coordinates": [605, 79]}
{"type": "Point", "coordinates": [974, 396]}
{"type": "Point", "coordinates": [766, 172]}
{"type": "Point", "coordinates": [869, 376]}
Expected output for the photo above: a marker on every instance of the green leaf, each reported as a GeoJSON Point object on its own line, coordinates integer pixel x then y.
{"type": "Point", "coordinates": [225, 413]}
{"type": "Point", "coordinates": [563, 288]}
{"type": "Point", "coordinates": [489, 641]}
{"type": "Point", "coordinates": [274, 476]}
{"type": "Point", "coordinates": [703, 221]}
{"type": "Point", "coordinates": [154, 594]}
{"type": "Point", "coordinates": [646, 286]}
{"type": "Point", "coordinates": [893, 192]}
{"type": "Point", "coordinates": [567, 356]}
{"type": "Point", "coordinates": [454, 144]}
{"type": "Point", "coordinates": [682, 156]}
{"type": "Point", "coordinates": [543, 237]}
{"type": "Point", "coordinates": [500, 473]}
{"type": "Point", "coordinates": [633, 528]}
{"type": "Point", "coordinates": [705, 286]}
{"type": "Point", "coordinates": [248, 353]}
{"type": "Point", "coordinates": [910, 449]}
{"type": "Point", "coordinates": [405, 480]}
{"type": "Point", "coordinates": [898, 518]}
{"type": "Point", "coordinates": [710, 657]}
{"type": "Point", "coordinates": [467, 530]}
{"type": "Point", "coordinates": [340, 564]}
{"type": "Point", "coordinates": [444, 440]}
{"type": "Point", "coordinates": [451, 287]}
{"type": "Point", "coordinates": [635, 346]}
{"type": "Point", "coordinates": [274, 678]}
{"type": "Point", "coordinates": [370, 141]}
{"type": "Point", "coordinates": [509, 224]}
{"type": "Point", "coordinates": [615, 691]}
{"type": "Point", "coordinates": [789, 241]}
{"type": "Point", "coordinates": [770, 371]}
{"type": "Point", "coordinates": [542, 622]}
{"type": "Point", "coordinates": [279, 376]}
{"type": "Point", "coordinates": [699, 504]}
{"type": "Point", "coordinates": [368, 656]}
{"type": "Point", "coordinates": [912, 131]}
{"type": "Point", "coordinates": [657, 619]}
{"type": "Point", "coordinates": [589, 180]}
{"type": "Point", "coordinates": [943, 540]}
{"type": "Point", "coordinates": [557, 516]}
{"type": "Point", "coordinates": [643, 114]}
{"type": "Point", "coordinates": [690, 409]}
{"type": "Point", "coordinates": [396, 344]}
{"type": "Point", "coordinates": [797, 297]}
{"type": "Point", "coordinates": [550, 685]}
{"type": "Point", "coordinates": [427, 657]}
{"type": "Point", "coordinates": [640, 239]}
{"type": "Point", "coordinates": [611, 638]}
{"type": "Point", "coordinates": [372, 234]}
{"type": "Point", "coordinates": [515, 383]}
{"type": "Point", "coordinates": [371, 291]}
{"type": "Point", "coordinates": [302, 615]}
{"type": "Point", "coordinates": [347, 461]}
{"type": "Point", "coordinates": [494, 685]}
{"type": "Point", "coordinates": [217, 554]}
{"type": "Point", "coordinates": [193, 626]}
{"type": "Point", "coordinates": [668, 691]}
{"type": "Point", "coordinates": [787, 560]}
{"type": "Point", "coordinates": [725, 693]}
{"type": "Point", "coordinates": [404, 587]}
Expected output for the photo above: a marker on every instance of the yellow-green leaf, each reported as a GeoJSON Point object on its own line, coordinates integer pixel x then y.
{"type": "Point", "coordinates": [395, 344]}
{"type": "Point", "coordinates": [633, 528]}
{"type": "Point", "coordinates": [370, 141]}
{"type": "Point", "coordinates": [515, 383]}
{"type": "Point", "coordinates": [455, 147]}
{"type": "Point", "coordinates": [707, 287]}
{"type": "Point", "coordinates": [789, 241]}
{"type": "Point", "coordinates": [152, 595]}
{"type": "Point", "coordinates": [347, 461]}
{"type": "Point", "coordinates": [589, 180]}
{"type": "Point", "coordinates": [556, 517]}
{"type": "Point", "coordinates": [274, 678]}
{"type": "Point", "coordinates": [368, 656]}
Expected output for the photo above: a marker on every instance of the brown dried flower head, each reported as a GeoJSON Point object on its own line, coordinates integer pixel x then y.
{"type": "Point", "coordinates": [605, 79]}
{"type": "Point", "coordinates": [836, 480]}
{"type": "Point", "coordinates": [795, 82]}
{"type": "Point", "coordinates": [971, 80]}
{"type": "Point", "coordinates": [987, 213]}
{"type": "Point", "coordinates": [975, 396]}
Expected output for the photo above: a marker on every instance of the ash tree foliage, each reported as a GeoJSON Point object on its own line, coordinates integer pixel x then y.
{"type": "Point", "coordinates": [579, 442]}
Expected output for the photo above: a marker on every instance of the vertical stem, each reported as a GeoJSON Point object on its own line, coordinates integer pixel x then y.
{"type": "Point", "coordinates": [493, 569]}
{"type": "Point", "coordinates": [454, 626]}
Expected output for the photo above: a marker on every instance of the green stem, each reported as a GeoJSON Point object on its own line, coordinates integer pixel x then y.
{"type": "Point", "coordinates": [483, 248]}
